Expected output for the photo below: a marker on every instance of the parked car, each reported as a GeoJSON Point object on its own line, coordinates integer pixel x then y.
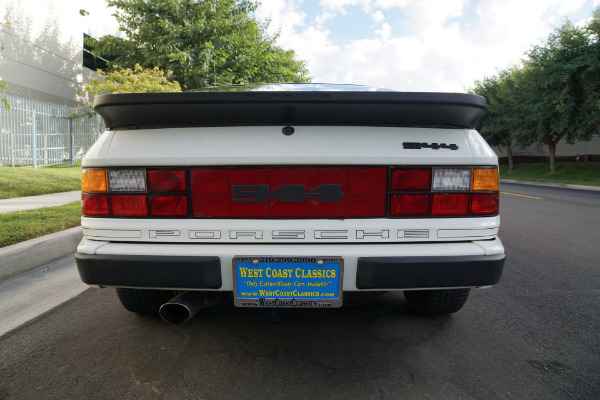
{"type": "Point", "coordinates": [290, 195]}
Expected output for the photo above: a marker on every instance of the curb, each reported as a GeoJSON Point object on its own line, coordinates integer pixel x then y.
{"type": "Point", "coordinates": [25, 256]}
{"type": "Point", "coordinates": [557, 185]}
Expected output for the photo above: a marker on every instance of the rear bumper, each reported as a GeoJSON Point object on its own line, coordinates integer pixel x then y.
{"type": "Point", "coordinates": [150, 271]}
{"type": "Point", "coordinates": [367, 267]}
{"type": "Point", "coordinates": [371, 273]}
{"type": "Point", "coordinates": [428, 272]}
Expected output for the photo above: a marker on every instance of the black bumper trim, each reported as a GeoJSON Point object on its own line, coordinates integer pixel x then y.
{"type": "Point", "coordinates": [150, 271]}
{"type": "Point", "coordinates": [428, 272]}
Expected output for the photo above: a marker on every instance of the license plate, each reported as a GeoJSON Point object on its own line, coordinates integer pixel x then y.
{"type": "Point", "coordinates": [288, 282]}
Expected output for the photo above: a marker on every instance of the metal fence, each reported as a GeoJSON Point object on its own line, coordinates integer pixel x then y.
{"type": "Point", "coordinates": [36, 132]}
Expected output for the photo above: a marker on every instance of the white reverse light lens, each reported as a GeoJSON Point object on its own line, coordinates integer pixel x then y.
{"type": "Point", "coordinates": [127, 180]}
{"type": "Point", "coordinates": [451, 179]}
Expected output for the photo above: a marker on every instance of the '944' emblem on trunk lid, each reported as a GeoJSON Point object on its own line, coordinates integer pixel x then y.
{"type": "Point", "coordinates": [433, 146]}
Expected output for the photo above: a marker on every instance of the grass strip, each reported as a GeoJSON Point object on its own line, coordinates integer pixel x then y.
{"type": "Point", "coordinates": [24, 225]}
{"type": "Point", "coordinates": [573, 173]}
{"type": "Point", "coordinates": [22, 182]}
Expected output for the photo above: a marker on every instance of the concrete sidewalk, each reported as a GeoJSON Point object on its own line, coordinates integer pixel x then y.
{"type": "Point", "coordinates": [44, 200]}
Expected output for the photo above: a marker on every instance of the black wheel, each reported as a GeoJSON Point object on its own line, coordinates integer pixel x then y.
{"type": "Point", "coordinates": [436, 302]}
{"type": "Point", "coordinates": [144, 301]}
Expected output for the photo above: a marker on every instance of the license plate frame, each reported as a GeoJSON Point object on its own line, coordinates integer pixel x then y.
{"type": "Point", "coordinates": [292, 281]}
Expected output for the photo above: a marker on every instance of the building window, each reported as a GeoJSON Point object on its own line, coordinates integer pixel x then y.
{"type": "Point", "coordinates": [92, 62]}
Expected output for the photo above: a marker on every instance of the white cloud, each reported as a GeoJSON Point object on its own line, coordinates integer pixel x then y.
{"type": "Point", "coordinates": [323, 18]}
{"type": "Point", "coordinates": [387, 4]}
{"type": "Point", "coordinates": [341, 5]}
{"type": "Point", "coordinates": [377, 17]}
{"type": "Point", "coordinates": [385, 32]}
{"type": "Point", "coordinates": [284, 15]}
{"type": "Point", "coordinates": [430, 49]}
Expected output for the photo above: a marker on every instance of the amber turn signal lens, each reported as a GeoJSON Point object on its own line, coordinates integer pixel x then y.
{"type": "Point", "coordinates": [94, 181]}
{"type": "Point", "coordinates": [485, 179]}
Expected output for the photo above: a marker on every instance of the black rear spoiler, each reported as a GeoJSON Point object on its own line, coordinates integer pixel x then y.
{"type": "Point", "coordinates": [189, 109]}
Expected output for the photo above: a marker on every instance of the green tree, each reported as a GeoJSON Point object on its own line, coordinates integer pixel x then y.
{"type": "Point", "coordinates": [558, 100]}
{"type": "Point", "coordinates": [590, 77]}
{"type": "Point", "coordinates": [204, 43]}
{"type": "Point", "coordinates": [3, 99]}
{"type": "Point", "coordinates": [503, 117]}
{"type": "Point", "coordinates": [553, 96]}
{"type": "Point", "coordinates": [127, 80]}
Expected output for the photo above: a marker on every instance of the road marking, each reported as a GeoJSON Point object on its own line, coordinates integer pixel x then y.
{"type": "Point", "coordinates": [522, 195]}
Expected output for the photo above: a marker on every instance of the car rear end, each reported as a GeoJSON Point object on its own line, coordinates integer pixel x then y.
{"type": "Point", "coordinates": [288, 200]}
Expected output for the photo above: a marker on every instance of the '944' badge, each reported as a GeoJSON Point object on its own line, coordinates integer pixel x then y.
{"type": "Point", "coordinates": [433, 146]}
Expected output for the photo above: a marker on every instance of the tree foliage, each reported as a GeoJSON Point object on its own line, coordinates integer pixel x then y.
{"type": "Point", "coordinates": [500, 124]}
{"type": "Point", "coordinates": [203, 43]}
{"type": "Point", "coordinates": [590, 77]}
{"type": "Point", "coordinates": [136, 80]}
{"type": "Point", "coordinates": [553, 96]}
{"type": "Point", "coordinates": [558, 102]}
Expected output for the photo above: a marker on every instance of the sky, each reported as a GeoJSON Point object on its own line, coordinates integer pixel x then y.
{"type": "Point", "coordinates": [415, 45]}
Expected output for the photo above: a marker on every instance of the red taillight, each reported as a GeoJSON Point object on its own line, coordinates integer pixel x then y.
{"type": "Point", "coordinates": [367, 192]}
{"type": "Point", "coordinates": [125, 205]}
{"type": "Point", "coordinates": [450, 204]}
{"type": "Point", "coordinates": [168, 205]}
{"type": "Point", "coordinates": [291, 192]}
{"type": "Point", "coordinates": [316, 192]}
{"type": "Point", "coordinates": [411, 179]}
{"type": "Point", "coordinates": [447, 192]}
{"type": "Point", "coordinates": [409, 205]}
{"type": "Point", "coordinates": [249, 193]}
{"type": "Point", "coordinates": [166, 180]}
{"type": "Point", "coordinates": [94, 204]}
{"type": "Point", "coordinates": [210, 192]}
{"type": "Point", "coordinates": [328, 192]}
{"type": "Point", "coordinates": [485, 204]}
{"type": "Point", "coordinates": [288, 194]}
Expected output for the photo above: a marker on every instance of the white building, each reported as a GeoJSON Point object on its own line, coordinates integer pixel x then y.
{"type": "Point", "coordinates": [44, 65]}
{"type": "Point", "coordinates": [43, 56]}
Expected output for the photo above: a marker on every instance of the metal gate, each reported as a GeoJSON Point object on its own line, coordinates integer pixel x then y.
{"type": "Point", "coordinates": [34, 132]}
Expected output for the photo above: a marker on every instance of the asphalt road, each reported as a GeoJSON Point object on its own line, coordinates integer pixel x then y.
{"type": "Point", "coordinates": [536, 335]}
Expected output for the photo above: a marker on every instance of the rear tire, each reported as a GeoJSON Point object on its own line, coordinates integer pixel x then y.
{"type": "Point", "coordinates": [144, 301]}
{"type": "Point", "coordinates": [436, 302]}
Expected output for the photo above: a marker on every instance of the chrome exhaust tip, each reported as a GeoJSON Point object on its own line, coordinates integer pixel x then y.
{"type": "Point", "coordinates": [181, 308]}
